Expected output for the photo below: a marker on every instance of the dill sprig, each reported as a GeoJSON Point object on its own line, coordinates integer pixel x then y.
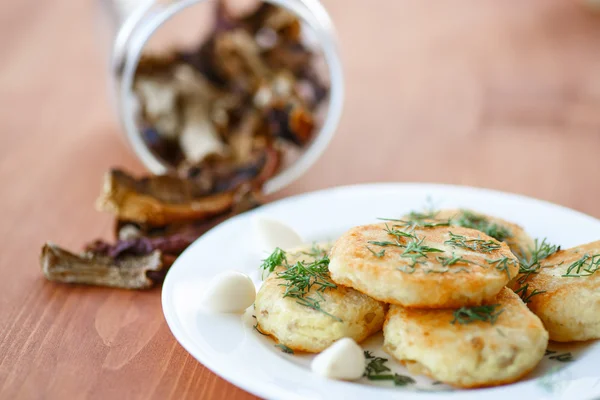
{"type": "Point", "coordinates": [277, 258]}
{"type": "Point", "coordinates": [478, 245]}
{"type": "Point", "coordinates": [502, 264]}
{"type": "Point", "coordinates": [385, 243]}
{"type": "Point", "coordinates": [469, 219]}
{"type": "Point", "coordinates": [256, 328]}
{"type": "Point", "coordinates": [522, 292]}
{"type": "Point", "coordinates": [532, 265]}
{"type": "Point", "coordinates": [377, 254]}
{"type": "Point", "coordinates": [448, 261]}
{"type": "Point", "coordinates": [301, 277]}
{"type": "Point", "coordinates": [421, 223]}
{"type": "Point", "coordinates": [398, 233]}
{"type": "Point", "coordinates": [375, 371]}
{"type": "Point", "coordinates": [565, 357]}
{"type": "Point", "coordinates": [415, 249]}
{"type": "Point", "coordinates": [487, 313]}
{"type": "Point", "coordinates": [587, 265]}
{"type": "Point", "coordinates": [284, 348]}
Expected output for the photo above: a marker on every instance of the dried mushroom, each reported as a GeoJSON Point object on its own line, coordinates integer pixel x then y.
{"type": "Point", "coordinates": [130, 272]}
{"type": "Point", "coordinates": [251, 82]}
{"type": "Point", "coordinates": [224, 116]}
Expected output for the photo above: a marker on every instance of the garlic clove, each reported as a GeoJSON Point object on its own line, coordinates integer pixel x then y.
{"type": "Point", "coordinates": [344, 359]}
{"type": "Point", "coordinates": [230, 292]}
{"type": "Point", "coordinates": [271, 233]}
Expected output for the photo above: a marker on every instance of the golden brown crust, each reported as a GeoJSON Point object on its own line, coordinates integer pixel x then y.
{"type": "Point", "coordinates": [471, 355]}
{"type": "Point", "coordinates": [569, 306]}
{"type": "Point", "coordinates": [429, 283]}
{"type": "Point", "coordinates": [304, 329]}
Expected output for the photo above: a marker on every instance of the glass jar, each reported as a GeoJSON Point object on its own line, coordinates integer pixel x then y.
{"type": "Point", "coordinates": [138, 22]}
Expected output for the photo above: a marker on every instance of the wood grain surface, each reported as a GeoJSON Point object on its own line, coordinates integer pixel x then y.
{"type": "Point", "coordinates": [497, 94]}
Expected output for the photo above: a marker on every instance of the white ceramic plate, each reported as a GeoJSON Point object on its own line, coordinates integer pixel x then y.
{"type": "Point", "coordinates": [229, 346]}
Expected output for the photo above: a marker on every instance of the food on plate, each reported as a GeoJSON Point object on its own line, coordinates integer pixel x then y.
{"type": "Point", "coordinates": [128, 272]}
{"type": "Point", "coordinates": [300, 306]}
{"type": "Point", "coordinates": [251, 84]}
{"type": "Point", "coordinates": [430, 265]}
{"type": "Point", "coordinates": [512, 234]}
{"type": "Point", "coordinates": [565, 293]}
{"type": "Point", "coordinates": [492, 344]}
{"type": "Point", "coordinates": [344, 360]}
{"type": "Point", "coordinates": [271, 234]}
{"type": "Point", "coordinates": [229, 292]}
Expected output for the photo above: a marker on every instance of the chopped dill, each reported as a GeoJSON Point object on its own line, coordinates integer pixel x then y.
{"type": "Point", "coordinates": [502, 264]}
{"type": "Point", "coordinates": [487, 313]}
{"type": "Point", "coordinates": [276, 259]}
{"type": "Point", "coordinates": [377, 254]}
{"type": "Point", "coordinates": [565, 357]}
{"type": "Point", "coordinates": [587, 265]}
{"type": "Point", "coordinates": [257, 329]}
{"type": "Point", "coordinates": [469, 219]}
{"type": "Point", "coordinates": [522, 292]}
{"type": "Point", "coordinates": [284, 348]}
{"type": "Point", "coordinates": [301, 277]}
{"type": "Point", "coordinates": [531, 265]}
{"type": "Point", "coordinates": [478, 245]}
{"type": "Point", "coordinates": [448, 261]}
{"type": "Point", "coordinates": [375, 370]}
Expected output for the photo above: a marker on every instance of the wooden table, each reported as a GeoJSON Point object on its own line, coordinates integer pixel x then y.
{"type": "Point", "coordinates": [497, 94]}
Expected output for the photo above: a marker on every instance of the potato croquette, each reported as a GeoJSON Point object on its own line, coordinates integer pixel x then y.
{"type": "Point", "coordinates": [568, 293]}
{"type": "Point", "coordinates": [342, 311]}
{"type": "Point", "coordinates": [422, 266]}
{"type": "Point", "coordinates": [503, 344]}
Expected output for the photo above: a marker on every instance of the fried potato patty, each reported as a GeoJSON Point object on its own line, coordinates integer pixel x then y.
{"type": "Point", "coordinates": [513, 235]}
{"type": "Point", "coordinates": [469, 354]}
{"type": "Point", "coordinates": [568, 293]}
{"type": "Point", "coordinates": [420, 266]}
{"type": "Point", "coordinates": [342, 311]}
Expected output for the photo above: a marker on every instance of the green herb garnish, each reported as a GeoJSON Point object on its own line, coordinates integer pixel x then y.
{"type": "Point", "coordinates": [469, 219]}
{"type": "Point", "coordinates": [478, 245]}
{"type": "Point", "coordinates": [565, 357]}
{"type": "Point", "coordinates": [502, 264]}
{"type": "Point", "coordinates": [587, 265]}
{"type": "Point", "coordinates": [466, 315]}
{"type": "Point", "coordinates": [377, 254]}
{"type": "Point", "coordinates": [257, 329]}
{"type": "Point", "coordinates": [375, 371]}
{"type": "Point", "coordinates": [448, 261]}
{"type": "Point", "coordinates": [284, 348]}
{"type": "Point", "coordinates": [276, 259]}
{"type": "Point", "coordinates": [522, 292]}
{"type": "Point", "coordinates": [532, 265]}
{"type": "Point", "coordinates": [301, 277]}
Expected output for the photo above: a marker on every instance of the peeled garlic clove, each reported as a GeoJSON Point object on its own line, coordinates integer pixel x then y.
{"type": "Point", "coordinates": [230, 292]}
{"type": "Point", "coordinates": [271, 233]}
{"type": "Point", "coordinates": [344, 359]}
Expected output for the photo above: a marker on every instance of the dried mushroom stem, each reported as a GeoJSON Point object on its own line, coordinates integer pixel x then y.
{"type": "Point", "coordinates": [129, 272]}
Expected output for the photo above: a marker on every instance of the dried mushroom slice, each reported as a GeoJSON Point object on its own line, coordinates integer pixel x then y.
{"type": "Point", "coordinates": [159, 200]}
{"type": "Point", "coordinates": [129, 272]}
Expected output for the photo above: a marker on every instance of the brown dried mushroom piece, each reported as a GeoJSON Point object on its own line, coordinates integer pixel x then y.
{"type": "Point", "coordinates": [159, 200]}
{"type": "Point", "coordinates": [128, 272]}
